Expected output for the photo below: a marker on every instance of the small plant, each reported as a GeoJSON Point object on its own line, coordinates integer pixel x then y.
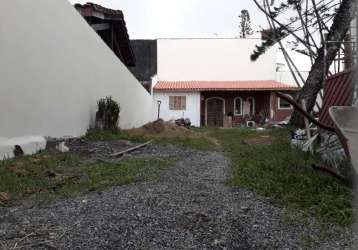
{"type": "Point", "coordinates": [107, 115]}
{"type": "Point", "coordinates": [101, 104]}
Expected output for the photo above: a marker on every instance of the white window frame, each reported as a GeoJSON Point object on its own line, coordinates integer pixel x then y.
{"type": "Point", "coordinates": [241, 106]}
{"type": "Point", "coordinates": [279, 106]}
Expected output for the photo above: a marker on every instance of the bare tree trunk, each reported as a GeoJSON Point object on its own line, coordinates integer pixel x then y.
{"type": "Point", "coordinates": [314, 83]}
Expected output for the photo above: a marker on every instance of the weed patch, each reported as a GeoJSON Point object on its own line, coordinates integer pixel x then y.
{"type": "Point", "coordinates": [285, 174]}
{"type": "Point", "coordinates": [47, 176]}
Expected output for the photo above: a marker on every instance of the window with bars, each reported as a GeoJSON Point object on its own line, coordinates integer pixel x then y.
{"type": "Point", "coordinates": [177, 102]}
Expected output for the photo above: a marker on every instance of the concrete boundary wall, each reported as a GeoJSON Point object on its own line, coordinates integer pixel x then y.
{"type": "Point", "coordinates": [53, 69]}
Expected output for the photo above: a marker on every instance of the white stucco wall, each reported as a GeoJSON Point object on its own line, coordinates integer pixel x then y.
{"type": "Point", "coordinates": [213, 59]}
{"type": "Point", "coordinates": [192, 107]}
{"type": "Point", "coordinates": [287, 78]}
{"type": "Point", "coordinates": [53, 69]}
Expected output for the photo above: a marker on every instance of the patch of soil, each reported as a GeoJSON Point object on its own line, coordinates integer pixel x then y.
{"type": "Point", "coordinates": [261, 140]}
{"type": "Point", "coordinates": [161, 126]}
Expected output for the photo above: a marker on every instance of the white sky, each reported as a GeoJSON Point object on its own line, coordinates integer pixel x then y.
{"type": "Point", "coordinates": [183, 18]}
{"type": "Point", "coordinates": [151, 19]}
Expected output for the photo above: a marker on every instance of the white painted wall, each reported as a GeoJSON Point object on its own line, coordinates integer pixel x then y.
{"type": "Point", "coordinates": [192, 107]}
{"type": "Point", "coordinates": [29, 145]}
{"type": "Point", "coordinates": [53, 69]}
{"type": "Point", "coordinates": [213, 59]}
{"type": "Point", "coordinates": [286, 77]}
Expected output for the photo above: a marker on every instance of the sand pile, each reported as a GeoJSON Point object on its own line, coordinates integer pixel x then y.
{"type": "Point", "coordinates": [161, 126]}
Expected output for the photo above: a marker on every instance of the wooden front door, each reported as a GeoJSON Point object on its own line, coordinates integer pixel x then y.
{"type": "Point", "coordinates": [215, 112]}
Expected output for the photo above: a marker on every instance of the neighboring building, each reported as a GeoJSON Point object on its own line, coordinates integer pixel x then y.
{"type": "Point", "coordinates": [140, 56]}
{"type": "Point", "coordinates": [208, 80]}
{"type": "Point", "coordinates": [54, 68]}
{"type": "Point", "coordinates": [145, 69]}
{"type": "Point", "coordinates": [205, 80]}
{"type": "Point", "coordinates": [111, 27]}
{"type": "Point", "coordinates": [207, 103]}
{"type": "Point", "coordinates": [341, 89]}
{"type": "Point", "coordinates": [338, 91]}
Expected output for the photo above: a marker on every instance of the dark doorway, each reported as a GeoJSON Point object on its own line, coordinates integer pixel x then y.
{"type": "Point", "coordinates": [215, 112]}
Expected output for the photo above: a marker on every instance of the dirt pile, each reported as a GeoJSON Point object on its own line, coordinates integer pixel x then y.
{"type": "Point", "coordinates": [160, 126]}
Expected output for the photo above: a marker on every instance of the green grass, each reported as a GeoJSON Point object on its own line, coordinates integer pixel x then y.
{"type": "Point", "coordinates": [277, 171]}
{"type": "Point", "coordinates": [285, 174]}
{"type": "Point", "coordinates": [73, 176]}
{"type": "Point", "coordinates": [98, 135]}
{"type": "Point", "coordinates": [195, 140]}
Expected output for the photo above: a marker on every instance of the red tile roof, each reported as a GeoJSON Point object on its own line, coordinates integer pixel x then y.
{"type": "Point", "coordinates": [221, 85]}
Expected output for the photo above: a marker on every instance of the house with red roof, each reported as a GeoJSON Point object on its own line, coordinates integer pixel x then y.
{"type": "Point", "coordinates": [213, 82]}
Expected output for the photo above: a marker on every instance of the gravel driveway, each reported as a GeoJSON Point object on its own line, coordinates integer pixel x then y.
{"type": "Point", "coordinates": [189, 207]}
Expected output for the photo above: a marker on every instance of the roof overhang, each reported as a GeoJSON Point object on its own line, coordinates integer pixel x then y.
{"type": "Point", "coordinates": [195, 86]}
{"type": "Point", "coordinates": [102, 19]}
{"type": "Point", "coordinates": [95, 10]}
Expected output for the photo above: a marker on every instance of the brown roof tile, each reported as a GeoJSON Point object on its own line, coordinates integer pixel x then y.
{"type": "Point", "coordinates": [222, 85]}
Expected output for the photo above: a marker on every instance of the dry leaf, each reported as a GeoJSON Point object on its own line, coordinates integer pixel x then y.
{"type": "Point", "coordinates": [4, 196]}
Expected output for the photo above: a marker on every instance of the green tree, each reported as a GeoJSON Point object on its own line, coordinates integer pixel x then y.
{"type": "Point", "coordinates": [245, 24]}
{"type": "Point", "coordinates": [306, 23]}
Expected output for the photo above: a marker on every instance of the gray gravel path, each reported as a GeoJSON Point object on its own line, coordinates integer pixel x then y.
{"type": "Point", "coordinates": [189, 207]}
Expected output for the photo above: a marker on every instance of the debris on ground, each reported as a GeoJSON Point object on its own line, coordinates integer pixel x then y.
{"type": "Point", "coordinates": [331, 149]}
{"type": "Point", "coordinates": [58, 179]}
{"type": "Point", "coordinates": [121, 153]}
{"type": "Point", "coordinates": [62, 147]}
{"type": "Point", "coordinates": [309, 144]}
{"type": "Point", "coordinates": [17, 168]}
{"type": "Point", "coordinates": [4, 197]}
{"type": "Point", "coordinates": [31, 190]}
{"type": "Point", "coordinates": [50, 174]}
{"type": "Point", "coordinates": [298, 138]}
{"type": "Point", "coordinates": [183, 122]}
{"type": "Point", "coordinates": [279, 124]}
{"type": "Point", "coordinates": [98, 149]}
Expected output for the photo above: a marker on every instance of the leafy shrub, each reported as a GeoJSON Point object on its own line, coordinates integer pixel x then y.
{"type": "Point", "coordinates": [108, 113]}
{"type": "Point", "coordinates": [101, 104]}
